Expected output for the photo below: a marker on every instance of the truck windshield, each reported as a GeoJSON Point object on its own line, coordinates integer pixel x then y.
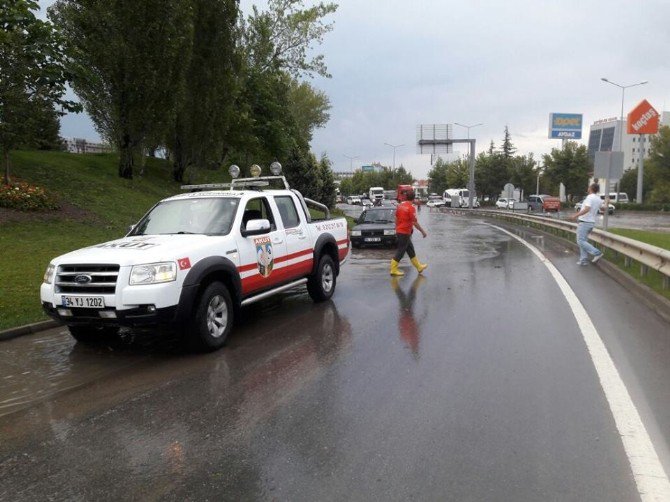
{"type": "Point", "coordinates": [201, 215]}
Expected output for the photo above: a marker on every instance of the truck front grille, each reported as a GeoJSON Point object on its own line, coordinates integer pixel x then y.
{"type": "Point", "coordinates": [87, 279]}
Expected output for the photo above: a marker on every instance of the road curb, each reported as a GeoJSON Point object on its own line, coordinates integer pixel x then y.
{"type": "Point", "coordinates": [28, 329]}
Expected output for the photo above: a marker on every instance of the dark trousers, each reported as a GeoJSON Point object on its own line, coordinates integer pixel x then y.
{"type": "Point", "coordinates": [404, 245]}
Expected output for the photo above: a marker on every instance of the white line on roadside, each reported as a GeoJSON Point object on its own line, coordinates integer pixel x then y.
{"type": "Point", "coordinates": [650, 477]}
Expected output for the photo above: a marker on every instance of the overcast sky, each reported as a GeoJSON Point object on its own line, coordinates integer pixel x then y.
{"type": "Point", "coordinates": [396, 64]}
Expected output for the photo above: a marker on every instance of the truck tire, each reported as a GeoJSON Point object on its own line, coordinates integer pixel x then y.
{"type": "Point", "coordinates": [321, 285]}
{"type": "Point", "coordinates": [92, 334]}
{"type": "Point", "coordinates": [212, 319]}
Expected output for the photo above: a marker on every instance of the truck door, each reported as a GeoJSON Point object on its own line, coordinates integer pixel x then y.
{"type": "Point", "coordinates": [299, 252]}
{"type": "Point", "coordinates": [261, 256]}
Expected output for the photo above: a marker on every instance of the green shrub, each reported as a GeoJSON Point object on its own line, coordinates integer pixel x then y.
{"type": "Point", "coordinates": [642, 207]}
{"type": "Point", "coordinates": [26, 197]}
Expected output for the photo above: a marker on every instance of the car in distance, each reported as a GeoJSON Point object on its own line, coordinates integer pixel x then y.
{"type": "Point", "coordinates": [374, 227]}
{"type": "Point", "coordinates": [505, 203]}
{"type": "Point", "coordinates": [353, 199]}
{"type": "Point", "coordinates": [435, 200]}
{"type": "Point", "coordinates": [610, 208]}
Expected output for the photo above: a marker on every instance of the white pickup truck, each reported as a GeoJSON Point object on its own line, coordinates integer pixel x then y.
{"type": "Point", "coordinates": [194, 260]}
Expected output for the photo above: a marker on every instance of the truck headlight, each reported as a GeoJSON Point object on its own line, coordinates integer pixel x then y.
{"type": "Point", "coordinates": [355, 233]}
{"type": "Point", "coordinates": [153, 273]}
{"type": "Point", "coordinates": [389, 232]}
{"type": "Point", "coordinates": [49, 274]}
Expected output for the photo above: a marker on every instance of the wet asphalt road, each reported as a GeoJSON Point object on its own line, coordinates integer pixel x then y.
{"type": "Point", "coordinates": [471, 383]}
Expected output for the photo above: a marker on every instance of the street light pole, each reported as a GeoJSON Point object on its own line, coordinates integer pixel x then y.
{"type": "Point", "coordinates": [621, 125]}
{"type": "Point", "coordinates": [394, 147]}
{"type": "Point", "coordinates": [623, 93]}
{"type": "Point", "coordinates": [471, 158]}
{"type": "Point", "coordinates": [351, 165]}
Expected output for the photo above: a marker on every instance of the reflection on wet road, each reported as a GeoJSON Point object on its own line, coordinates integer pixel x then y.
{"type": "Point", "coordinates": [469, 383]}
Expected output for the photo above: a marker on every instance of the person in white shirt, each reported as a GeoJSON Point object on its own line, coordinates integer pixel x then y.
{"type": "Point", "coordinates": [587, 220]}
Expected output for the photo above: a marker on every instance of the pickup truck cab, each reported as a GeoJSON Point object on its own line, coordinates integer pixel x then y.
{"type": "Point", "coordinates": [194, 260]}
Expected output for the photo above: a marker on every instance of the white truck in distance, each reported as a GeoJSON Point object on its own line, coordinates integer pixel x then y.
{"type": "Point", "coordinates": [376, 195]}
{"type": "Point", "coordinates": [459, 197]}
{"type": "Point", "coordinates": [194, 260]}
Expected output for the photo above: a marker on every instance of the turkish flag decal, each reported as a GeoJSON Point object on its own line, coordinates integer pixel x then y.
{"type": "Point", "coordinates": [184, 263]}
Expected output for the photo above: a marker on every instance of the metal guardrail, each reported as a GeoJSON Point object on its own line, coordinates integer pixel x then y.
{"type": "Point", "coordinates": [648, 256]}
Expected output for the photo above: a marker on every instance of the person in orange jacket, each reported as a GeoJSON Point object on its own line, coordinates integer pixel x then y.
{"type": "Point", "coordinates": [405, 222]}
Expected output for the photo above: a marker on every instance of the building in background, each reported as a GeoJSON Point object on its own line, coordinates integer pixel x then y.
{"type": "Point", "coordinates": [604, 137]}
{"type": "Point", "coordinates": [421, 189]}
{"type": "Point", "coordinates": [342, 175]}
{"type": "Point", "coordinates": [375, 167]}
{"type": "Point", "coordinates": [80, 145]}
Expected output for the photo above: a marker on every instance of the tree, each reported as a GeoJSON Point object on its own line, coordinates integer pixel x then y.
{"type": "Point", "coordinates": [280, 37]}
{"type": "Point", "coordinates": [628, 183]}
{"type": "Point", "coordinates": [200, 127]}
{"type": "Point", "coordinates": [458, 173]}
{"type": "Point", "coordinates": [45, 127]}
{"type": "Point", "coordinates": [276, 114]}
{"type": "Point", "coordinates": [507, 148]}
{"type": "Point", "coordinates": [128, 63]}
{"type": "Point", "coordinates": [302, 172]}
{"type": "Point", "coordinates": [32, 75]}
{"type": "Point", "coordinates": [523, 173]}
{"type": "Point", "coordinates": [309, 108]}
{"type": "Point", "coordinates": [437, 177]}
{"type": "Point", "coordinates": [327, 194]}
{"type": "Point", "coordinates": [658, 166]}
{"type": "Point", "coordinates": [571, 166]}
{"type": "Point", "coordinates": [491, 173]}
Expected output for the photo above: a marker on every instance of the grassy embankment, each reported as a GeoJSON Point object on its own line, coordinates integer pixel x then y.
{"type": "Point", "coordinates": [652, 278]}
{"type": "Point", "coordinates": [97, 206]}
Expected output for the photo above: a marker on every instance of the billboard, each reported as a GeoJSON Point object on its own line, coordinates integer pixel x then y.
{"type": "Point", "coordinates": [565, 126]}
{"type": "Point", "coordinates": [643, 119]}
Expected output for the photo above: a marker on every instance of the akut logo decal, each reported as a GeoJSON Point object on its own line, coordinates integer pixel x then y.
{"type": "Point", "coordinates": [264, 255]}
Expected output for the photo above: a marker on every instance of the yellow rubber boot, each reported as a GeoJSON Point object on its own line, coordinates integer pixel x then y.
{"type": "Point", "coordinates": [394, 269]}
{"type": "Point", "coordinates": [420, 267]}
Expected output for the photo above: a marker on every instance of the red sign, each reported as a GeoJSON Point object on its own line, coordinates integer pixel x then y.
{"type": "Point", "coordinates": [643, 119]}
{"type": "Point", "coordinates": [184, 263]}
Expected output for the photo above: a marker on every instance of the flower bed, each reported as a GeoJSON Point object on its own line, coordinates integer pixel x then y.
{"type": "Point", "coordinates": [26, 197]}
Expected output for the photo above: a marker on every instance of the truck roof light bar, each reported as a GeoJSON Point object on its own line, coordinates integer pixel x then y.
{"type": "Point", "coordinates": [205, 186]}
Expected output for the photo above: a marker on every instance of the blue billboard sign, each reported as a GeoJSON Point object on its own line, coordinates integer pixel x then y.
{"type": "Point", "coordinates": [565, 125]}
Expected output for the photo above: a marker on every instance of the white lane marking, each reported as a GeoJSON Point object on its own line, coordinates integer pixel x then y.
{"type": "Point", "coordinates": [650, 477]}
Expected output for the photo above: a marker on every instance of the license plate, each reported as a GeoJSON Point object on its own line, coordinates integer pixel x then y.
{"type": "Point", "coordinates": [373, 239]}
{"type": "Point", "coordinates": [84, 302]}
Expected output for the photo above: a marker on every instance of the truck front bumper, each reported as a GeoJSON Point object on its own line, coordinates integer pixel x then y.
{"type": "Point", "coordinates": [143, 315]}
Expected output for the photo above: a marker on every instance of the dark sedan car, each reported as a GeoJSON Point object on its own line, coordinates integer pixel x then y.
{"type": "Point", "coordinates": [375, 227]}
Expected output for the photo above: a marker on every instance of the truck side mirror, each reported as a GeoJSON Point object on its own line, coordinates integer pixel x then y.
{"type": "Point", "coordinates": [256, 227]}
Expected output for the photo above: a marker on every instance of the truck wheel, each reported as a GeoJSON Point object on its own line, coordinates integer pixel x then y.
{"type": "Point", "coordinates": [212, 319]}
{"type": "Point", "coordinates": [92, 334]}
{"type": "Point", "coordinates": [321, 285]}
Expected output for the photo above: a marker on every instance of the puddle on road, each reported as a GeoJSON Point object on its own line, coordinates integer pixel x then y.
{"type": "Point", "coordinates": [35, 367]}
